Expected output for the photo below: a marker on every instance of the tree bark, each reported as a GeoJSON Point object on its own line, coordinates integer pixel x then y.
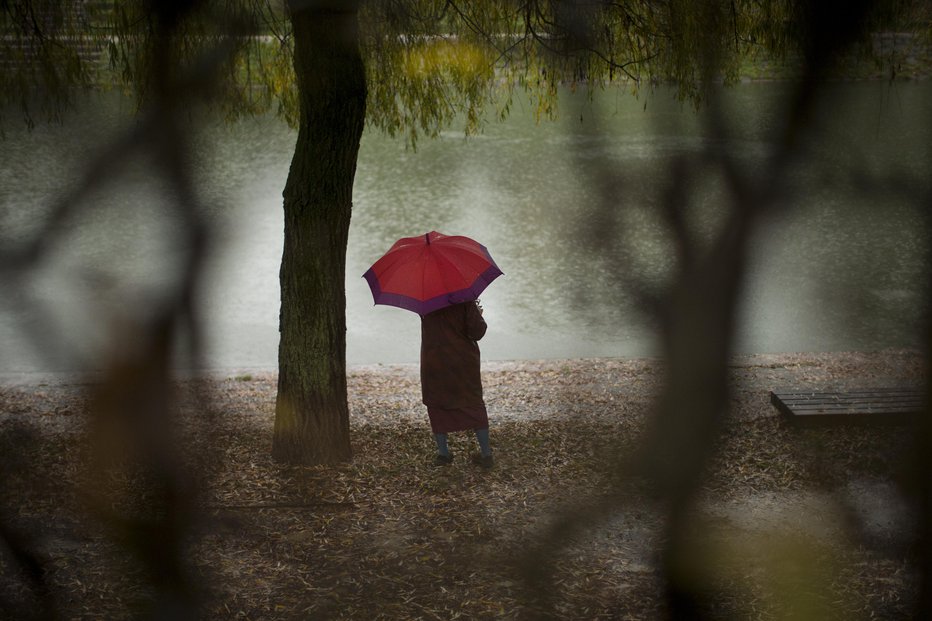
{"type": "Point", "coordinates": [311, 412]}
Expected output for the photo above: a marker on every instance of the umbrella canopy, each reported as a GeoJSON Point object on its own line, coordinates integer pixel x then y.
{"type": "Point", "coordinates": [431, 271]}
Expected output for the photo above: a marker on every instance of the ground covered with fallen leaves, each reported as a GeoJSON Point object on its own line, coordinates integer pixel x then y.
{"type": "Point", "coordinates": [792, 523]}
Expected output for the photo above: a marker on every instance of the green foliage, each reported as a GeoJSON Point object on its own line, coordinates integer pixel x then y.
{"type": "Point", "coordinates": [426, 85]}
{"type": "Point", "coordinates": [430, 63]}
{"type": "Point", "coordinates": [43, 58]}
{"type": "Point", "coordinates": [167, 48]}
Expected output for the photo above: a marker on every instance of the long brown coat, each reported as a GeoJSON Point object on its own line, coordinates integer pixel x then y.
{"type": "Point", "coordinates": [450, 356]}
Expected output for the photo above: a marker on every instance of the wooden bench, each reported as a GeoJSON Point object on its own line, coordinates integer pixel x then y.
{"type": "Point", "coordinates": [870, 405]}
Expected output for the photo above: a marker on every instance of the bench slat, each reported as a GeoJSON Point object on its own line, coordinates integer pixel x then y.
{"type": "Point", "coordinates": [880, 405]}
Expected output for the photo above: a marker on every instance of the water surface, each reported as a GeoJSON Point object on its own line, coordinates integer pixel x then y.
{"type": "Point", "coordinates": [835, 268]}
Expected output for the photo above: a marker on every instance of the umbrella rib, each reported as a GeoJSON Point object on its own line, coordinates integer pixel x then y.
{"type": "Point", "coordinates": [453, 265]}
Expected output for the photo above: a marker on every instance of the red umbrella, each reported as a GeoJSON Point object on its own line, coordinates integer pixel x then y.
{"type": "Point", "coordinates": [431, 271]}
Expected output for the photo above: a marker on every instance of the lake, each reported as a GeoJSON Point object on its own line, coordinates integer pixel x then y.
{"type": "Point", "coordinates": [835, 267]}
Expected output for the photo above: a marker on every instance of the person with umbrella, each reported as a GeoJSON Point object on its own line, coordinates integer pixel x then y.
{"type": "Point", "coordinates": [451, 385]}
{"type": "Point", "coordinates": [440, 278]}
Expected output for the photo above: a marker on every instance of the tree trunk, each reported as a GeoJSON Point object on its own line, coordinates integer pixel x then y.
{"type": "Point", "coordinates": [311, 412]}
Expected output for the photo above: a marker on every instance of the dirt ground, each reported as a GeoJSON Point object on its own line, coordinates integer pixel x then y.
{"type": "Point", "coordinates": [791, 523]}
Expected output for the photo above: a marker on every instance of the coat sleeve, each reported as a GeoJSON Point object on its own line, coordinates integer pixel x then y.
{"type": "Point", "coordinates": [475, 324]}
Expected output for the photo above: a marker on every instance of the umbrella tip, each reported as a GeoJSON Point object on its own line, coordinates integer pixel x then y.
{"type": "Point", "coordinates": [427, 237]}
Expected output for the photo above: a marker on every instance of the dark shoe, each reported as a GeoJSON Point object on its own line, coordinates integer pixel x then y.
{"type": "Point", "coordinates": [486, 461]}
{"type": "Point", "coordinates": [443, 460]}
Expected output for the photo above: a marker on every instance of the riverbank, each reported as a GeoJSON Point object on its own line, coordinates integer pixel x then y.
{"type": "Point", "coordinates": [790, 519]}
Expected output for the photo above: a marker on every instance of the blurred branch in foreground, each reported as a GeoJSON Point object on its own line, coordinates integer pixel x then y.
{"type": "Point", "coordinates": [697, 312]}
{"type": "Point", "coordinates": [141, 483]}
